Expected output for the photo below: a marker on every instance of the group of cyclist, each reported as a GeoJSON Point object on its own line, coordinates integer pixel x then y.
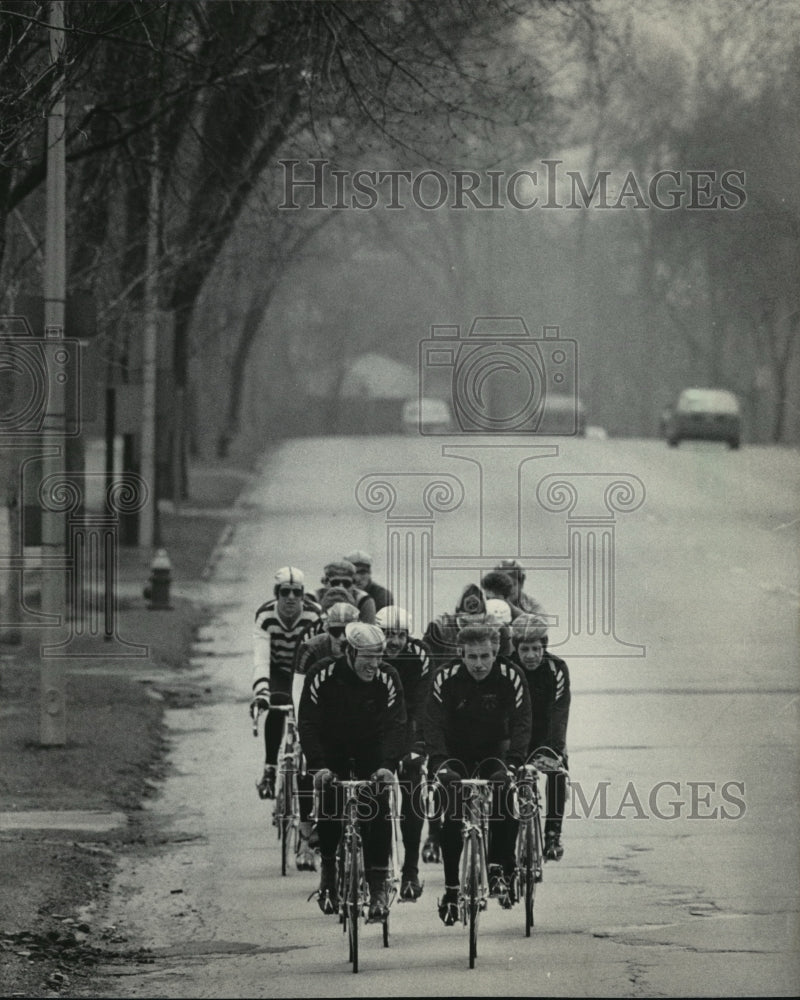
{"type": "Point", "coordinates": [475, 697]}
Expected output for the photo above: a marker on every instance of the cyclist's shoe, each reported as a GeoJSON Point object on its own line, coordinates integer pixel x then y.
{"type": "Point", "coordinates": [378, 899]}
{"type": "Point", "coordinates": [431, 854]}
{"type": "Point", "coordinates": [512, 881]}
{"type": "Point", "coordinates": [553, 848]}
{"type": "Point", "coordinates": [327, 895]}
{"type": "Point", "coordinates": [266, 786]}
{"type": "Point", "coordinates": [305, 859]}
{"type": "Point", "coordinates": [448, 906]}
{"type": "Point", "coordinates": [498, 886]}
{"type": "Point", "coordinates": [410, 886]}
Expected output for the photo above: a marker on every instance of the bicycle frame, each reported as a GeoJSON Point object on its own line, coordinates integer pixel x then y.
{"type": "Point", "coordinates": [351, 874]}
{"type": "Point", "coordinates": [530, 842]}
{"type": "Point", "coordinates": [473, 893]}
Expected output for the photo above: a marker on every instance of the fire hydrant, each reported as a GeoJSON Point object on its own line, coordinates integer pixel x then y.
{"type": "Point", "coordinates": [157, 591]}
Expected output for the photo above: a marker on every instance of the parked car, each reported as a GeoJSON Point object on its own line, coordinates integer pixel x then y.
{"type": "Point", "coordinates": [703, 414]}
{"type": "Point", "coordinates": [427, 416]}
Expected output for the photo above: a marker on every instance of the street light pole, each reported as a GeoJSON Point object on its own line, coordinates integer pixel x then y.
{"type": "Point", "coordinates": [52, 718]}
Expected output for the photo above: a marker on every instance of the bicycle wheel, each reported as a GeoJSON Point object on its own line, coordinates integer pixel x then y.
{"type": "Point", "coordinates": [528, 874]}
{"type": "Point", "coordinates": [341, 883]}
{"type": "Point", "coordinates": [535, 869]}
{"type": "Point", "coordinates": [473, 887]}
{"type": "Point", "coordinates": [354, 903]}
{"type": "Point", "coordinates": [285, 817]}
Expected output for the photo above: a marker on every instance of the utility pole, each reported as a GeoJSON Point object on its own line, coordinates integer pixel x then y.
{"type": "Point", "coordinates": [147, 523]}
{"type": "Point", "coordinates": [53, 727]}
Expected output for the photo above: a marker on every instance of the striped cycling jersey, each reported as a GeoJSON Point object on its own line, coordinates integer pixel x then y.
{"type": "Point", "coordinates": [275, 642]}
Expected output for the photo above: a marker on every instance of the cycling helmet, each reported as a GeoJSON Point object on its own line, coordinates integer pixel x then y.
{"type": "Point", "coordinates": [358, 557]}
{"type": "Point", "coordinates": [290, 574]}
{"type": "Point", "coordinates": [393, 618]}
{"type": "Point", "coordinates": [364, 638]}
{"type": "Point", "coordinates": [498, 611]}
{"type": "Point", "coordinates": [343, 569]}
{"type": "Point", "coordinates": [528, 628]}
{"type": "Point", "coordinates": [341, 614]}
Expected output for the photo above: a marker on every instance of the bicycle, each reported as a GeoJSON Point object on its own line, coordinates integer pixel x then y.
{"type": "Point", "coordinates": [530, 842]}
{"type": "Point", "coordinates": [352, 887]}
{"type": "Point", "coordinates": [286, 813]}
{"type": "Point", "coordinates": [473, 889]}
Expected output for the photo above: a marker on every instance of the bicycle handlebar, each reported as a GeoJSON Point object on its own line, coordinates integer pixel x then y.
{"type": "Point", "coordinates": [256, 710]}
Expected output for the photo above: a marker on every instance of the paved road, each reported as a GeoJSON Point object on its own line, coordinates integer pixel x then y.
{"type": "Point", "coordinates": [681, 871]}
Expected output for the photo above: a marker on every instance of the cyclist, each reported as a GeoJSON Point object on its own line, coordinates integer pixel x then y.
{"type": "Point", "coordinates": [524, 601]}
{"type": "Point", "coordinates": [331, 596]}
{"type": "Point", "coordinates": [410, 659]}
{"type": "Point", "coordinates": [499, 615]}
{"type": "Point", "coordinates": [353, 718]}
{"type": "Point", "coordinates": [440, 635]}
{"type": "Point", "coordinates": [324, 644]}
{"type": "Point", "coordinates": [500, 586]}
{"type": "Point", "coordinates": [441, 641]}
{"type": "Point", "coordinates": [342, 574]}
{"type": "Point", "coordinates": [477, 721]}
{"type": "Point", "coordinates": [548, 682]}
{"type": "Point", "coordinates": [363, 563]}
{"type": "Point", "coordinates": [280, 625]}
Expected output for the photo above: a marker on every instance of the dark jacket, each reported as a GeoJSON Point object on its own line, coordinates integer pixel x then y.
{"type": "Point", "coordinates": [311, 650]}
{"type": "Point", "coordinates": [413, 666]}
{"type": "Point", "coordinates": [550, 695]}
{"type": "Point", "coordinates": [473, 720]}
{"type": "Point", "coordinates": [342, 717]}
{"type": "Point", "coordinates": [380, 595]}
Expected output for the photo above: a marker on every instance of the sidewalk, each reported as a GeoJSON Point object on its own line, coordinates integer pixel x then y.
{"type": "Point", "coordinates": [69, 809]}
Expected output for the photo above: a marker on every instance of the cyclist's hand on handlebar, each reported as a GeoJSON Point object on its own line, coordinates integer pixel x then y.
{"type": "Point", "coordinates": [382, 777]}
{"type": "Point", "coordinates": [260, 703]}
{"type": "Point", "coordinates": [323, 778]}
{"type": "Point", "coordinates": [409, 762]}
{"type": "Point", "coordinates": [503, 775]}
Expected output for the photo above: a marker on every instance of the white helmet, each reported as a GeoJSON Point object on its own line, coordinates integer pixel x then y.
{"type": "Point", "coordinates": [364, 637]}
{"type": "Point", "coordinates": [290, 574]}
{"type": "Point", "coordinates": [393, 619]}
{"type": "Point", "coordinates": [341, 613]}
{"type": "Point", "coordinates": [499, 611]}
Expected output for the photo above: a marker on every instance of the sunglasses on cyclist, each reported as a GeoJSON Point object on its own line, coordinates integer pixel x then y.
{"type": "Point", "coordinates": [340, 582]}
{"type": "Point", "coordinates": [293, 591]}
{"type": "Point", "coordinates": [337, 631]}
